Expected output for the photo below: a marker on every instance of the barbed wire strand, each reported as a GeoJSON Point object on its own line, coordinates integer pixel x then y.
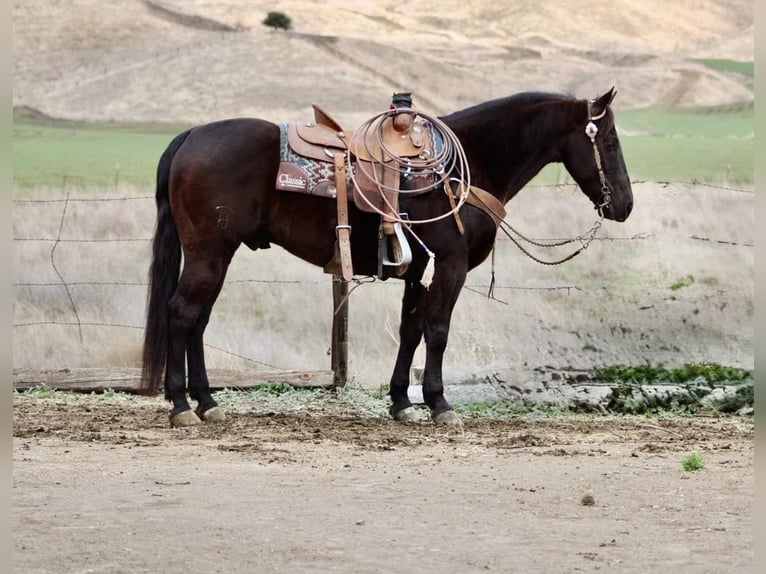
{"type": "Point", "coordinates": [296, 283]}
{"type": "Point", "coordinates": [471, 288]}
{"type": "Point", "coordinates": [534, 185]}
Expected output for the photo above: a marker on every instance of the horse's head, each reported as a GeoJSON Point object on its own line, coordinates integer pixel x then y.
{"type": "Point", "coordinates": [593, 157]}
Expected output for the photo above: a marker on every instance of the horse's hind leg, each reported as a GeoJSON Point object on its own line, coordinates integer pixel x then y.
{"type": "Point", "coordinates": [410, 335]}
{"type": "Point", "coordinates": [199, 385]}
{"type": "Point", "coordinates": [197, 287]}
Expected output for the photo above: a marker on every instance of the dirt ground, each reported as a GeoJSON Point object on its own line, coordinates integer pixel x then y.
{"type": "Point", "coordinates": [104, 485]}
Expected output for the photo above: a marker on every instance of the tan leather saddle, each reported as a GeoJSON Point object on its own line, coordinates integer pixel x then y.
{"type": "Point", "coordinates": [375, 151]}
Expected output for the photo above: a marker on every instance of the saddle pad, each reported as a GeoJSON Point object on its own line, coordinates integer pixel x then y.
{"type": "Point", "coordinates": [316, 176]}
{"type": "Point", "coordinates": [303, 174]}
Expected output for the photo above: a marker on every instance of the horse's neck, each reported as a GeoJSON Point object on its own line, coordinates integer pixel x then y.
{"type": "Point", "coordinates": [505, 155]}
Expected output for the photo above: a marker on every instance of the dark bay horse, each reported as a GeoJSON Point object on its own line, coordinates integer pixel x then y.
{"type": "Point", "coordinates": [216, 191]}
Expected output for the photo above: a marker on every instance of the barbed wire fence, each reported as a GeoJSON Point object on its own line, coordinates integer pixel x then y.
{"type": "Point", "coordinates": [67, 284]}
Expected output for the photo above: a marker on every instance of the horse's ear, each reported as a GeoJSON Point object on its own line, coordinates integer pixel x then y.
{"type": "Point", "coordinates": [601, 103]}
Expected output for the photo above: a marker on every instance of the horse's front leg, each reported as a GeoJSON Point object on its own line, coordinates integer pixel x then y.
{"type": "Point", "coordinates": [410, 335]}
{"type": "Point", "coordinates": [439, 303]}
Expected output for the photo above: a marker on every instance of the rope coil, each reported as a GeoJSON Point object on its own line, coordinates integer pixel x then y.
{"type": "Point", "coordinates": [447, 162]}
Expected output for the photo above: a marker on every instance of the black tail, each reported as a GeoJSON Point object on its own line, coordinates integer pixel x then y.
{"type": "Point", "coordinates": [163, 277]}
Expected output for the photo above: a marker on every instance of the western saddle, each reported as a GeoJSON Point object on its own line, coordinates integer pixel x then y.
{"type": "Point", "coordinates": [381, 152]}
{"type": "Point", "coordinates": [374, 151]}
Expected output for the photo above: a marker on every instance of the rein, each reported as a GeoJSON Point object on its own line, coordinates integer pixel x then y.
{"type": "Point", "coordinates": [585, 239]}
{"type": "Point", "coordinates": [452, 157]}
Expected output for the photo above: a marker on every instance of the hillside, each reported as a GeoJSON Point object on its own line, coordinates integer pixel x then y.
{"type": "Point", "coordinates": [198, 60]}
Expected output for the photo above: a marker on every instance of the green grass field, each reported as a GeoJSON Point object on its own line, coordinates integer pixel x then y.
{"type": "Point", "coordinates": [713, 145]}
{"type": "Point", "coordinates": [50, 153]}
{"type": "Point", "coordinates": [744, 68]}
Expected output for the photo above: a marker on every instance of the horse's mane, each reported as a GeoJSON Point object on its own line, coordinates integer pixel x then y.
{"type": "Point", "coordinates": [503, 113]}
{"type": "Point", "coordinates": [515, 102]}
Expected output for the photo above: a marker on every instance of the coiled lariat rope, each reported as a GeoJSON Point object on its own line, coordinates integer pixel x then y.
{"type": "Point", "coordinates": [444, 164]}
{"type": "Point", "coordinates": [448, 162]}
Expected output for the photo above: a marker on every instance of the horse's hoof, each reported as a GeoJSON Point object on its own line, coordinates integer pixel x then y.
{"type": "Point", "coordinates": [185, 419]}
{"type": "Point", "coordinates": [214, 415]}
{"type": "Point", "coordinates": [448, 419]}
{"type": "Point", "coordinates": [408, 415]}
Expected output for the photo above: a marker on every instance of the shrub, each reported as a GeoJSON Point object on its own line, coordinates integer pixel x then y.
{"type": "Point", "coordinates": [277, 20]}
{"type": "Point", "coordinates": [693, 462]}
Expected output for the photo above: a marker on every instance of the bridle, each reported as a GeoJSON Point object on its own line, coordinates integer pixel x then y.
{"type": "Point", "coordinates": [591, 130]}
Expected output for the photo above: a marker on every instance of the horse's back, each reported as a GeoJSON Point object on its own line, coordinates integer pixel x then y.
{"type": "Point", "coordinates": [231, 141]}
{"type": "Point", "coordinates": [226, 153]}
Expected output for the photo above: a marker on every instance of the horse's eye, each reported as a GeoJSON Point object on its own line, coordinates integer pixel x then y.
{"type": "Point", "coordinates": [610, 143]}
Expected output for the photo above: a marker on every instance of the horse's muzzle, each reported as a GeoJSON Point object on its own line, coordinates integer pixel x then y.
{"type": "Point", "coordinates": [622, 215]}
{"type": "Point", "coordinates": [620, 203]}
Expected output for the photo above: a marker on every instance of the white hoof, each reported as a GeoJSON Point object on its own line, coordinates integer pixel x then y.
{"type": "Point", "coordinates": [185, 419]}
{"type": "Point", "coordinates": [214, 415]}
{"type": "Point", "coordinates": [448, 419]}
{"type": "Point", "coordinates": [408, 415]}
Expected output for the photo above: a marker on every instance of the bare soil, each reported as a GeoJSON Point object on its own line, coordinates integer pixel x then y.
{"type": "Point", "coordinates": [104, 485]}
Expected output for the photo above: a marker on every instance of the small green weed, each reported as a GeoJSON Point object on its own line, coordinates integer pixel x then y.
{"type": "Point", "coordinates": [683, 282]}
{"type": "Point", "coordinates": [693, 461]}
{"type": "Point", "coordinates": [270, 388]}
{"type": "Point", "coordinates": [43, 391]}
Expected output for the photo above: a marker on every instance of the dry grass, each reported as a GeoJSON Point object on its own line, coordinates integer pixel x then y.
{"type": "Point", "coordinates": [612, 304]}
{"type": "Point", "coordinates": [94, 60]}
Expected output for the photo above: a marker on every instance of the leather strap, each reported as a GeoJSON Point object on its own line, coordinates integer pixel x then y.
{"type": "Point", "coordinates": [488, 203]}
{"type": "Point", "coordinates": [480, 198]}
{"type": "Point", "coordinates": [343, 229]}
{"type": "Point", "coordinates": [453, 205]}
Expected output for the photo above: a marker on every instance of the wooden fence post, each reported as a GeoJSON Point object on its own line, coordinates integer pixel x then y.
{"type": "Point", "coordinates": [339, 349]}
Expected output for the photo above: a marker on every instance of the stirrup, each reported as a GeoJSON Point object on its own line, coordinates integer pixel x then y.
{"type": "Point", "coordinates": [402, 254]}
